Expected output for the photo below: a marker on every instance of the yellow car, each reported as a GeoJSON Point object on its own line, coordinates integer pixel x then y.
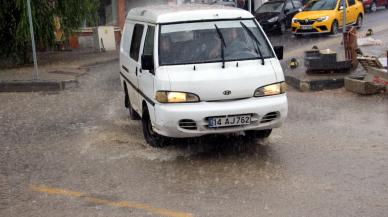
{"type": "Point", "coordinates": [325, 16]}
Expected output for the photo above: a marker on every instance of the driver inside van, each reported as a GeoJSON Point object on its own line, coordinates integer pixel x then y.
{"type": "Point", "coordinates": [233, 42]}
{"type": "Point", "coordinates": [166, 49]}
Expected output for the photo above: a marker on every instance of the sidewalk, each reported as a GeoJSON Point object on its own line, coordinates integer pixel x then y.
{"type": "Point", "coordinates": [305, 82]}
{"type": "Point", "coordinates": [57, 71]}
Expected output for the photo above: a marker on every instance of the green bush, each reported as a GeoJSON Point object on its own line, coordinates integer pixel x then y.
{"type": "Point", "coordinates": [15, 39]}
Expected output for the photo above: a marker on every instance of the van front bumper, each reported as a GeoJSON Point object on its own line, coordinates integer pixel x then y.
{"type": "Point", "coordinates": [169, 117]}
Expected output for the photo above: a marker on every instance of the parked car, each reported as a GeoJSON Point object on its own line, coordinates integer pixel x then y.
{"type": "Point", "coordinates": [276, 15]}
{"type": "Point", "coordinates": [325, 16]}
{"type": "Point", "coordinates": [371, 5]}
{"type": "Point", "coordinates": [190, 71]}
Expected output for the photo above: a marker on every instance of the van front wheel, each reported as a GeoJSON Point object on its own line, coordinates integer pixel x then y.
{"type": "Point", "coordinates": [258, 134]}
{"type": "Point", "coordinates": [151, 137]}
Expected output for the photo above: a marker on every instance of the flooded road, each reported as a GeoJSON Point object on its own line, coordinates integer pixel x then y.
{"type": "Point", "coordinates": [76, 153]}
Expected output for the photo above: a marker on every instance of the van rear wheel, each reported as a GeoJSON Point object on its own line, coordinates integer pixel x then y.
{"type": "Point", "coordinates": [151, 137]}
{"type": "Point", "coordinates": [258, 134]}
{"type": "Point", "coordinates": [131, 112]}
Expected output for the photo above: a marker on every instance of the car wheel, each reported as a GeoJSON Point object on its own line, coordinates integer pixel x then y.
{"type": "Point", "coordinates": [282, 28]}
{"type": "Point", "coordinates": [334, 27]}
{"type": "Point", "coordinates": [131, 112]}
{"type": "Point", "coordinates": [258, 134]}
{"type": "Point", "coordinates": [373, 7]}
{"type": "Point", "coordinates": [359, 21]}
{"type": "Point", "coordinates": [151, 137]}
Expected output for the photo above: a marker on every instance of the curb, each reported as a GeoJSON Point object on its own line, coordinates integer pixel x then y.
{"type": "Point", "coordinates": [36, 86]}
{"type": "Point", "coordinates": [47, 85]}
{"type": "Point", "coordinates": [315, 85]}
{"type": "Point", "coordinates": [99, 62]}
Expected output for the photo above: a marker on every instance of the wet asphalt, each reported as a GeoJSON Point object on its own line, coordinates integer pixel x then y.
{"type": "Point", "coordinates": [329, 159]}
{"type": "Point", "coordinates": [76, 153]}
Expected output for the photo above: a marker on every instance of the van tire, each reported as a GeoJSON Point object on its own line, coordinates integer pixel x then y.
{"type": "Point", "coordinates": [258, 134]}
{"type": "Point", "coordinates": [131, 112]}
{"type": "Point", "coordinates": [151, 137]}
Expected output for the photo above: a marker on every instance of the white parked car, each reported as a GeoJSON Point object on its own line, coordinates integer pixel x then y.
{"type": "Point", "coordinates": [189, 71]}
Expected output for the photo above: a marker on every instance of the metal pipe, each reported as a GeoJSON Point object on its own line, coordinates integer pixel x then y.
{"type": "Point", "coordinates": [344, 16]}
{"type": "Point", "coordinates": [35, 73]}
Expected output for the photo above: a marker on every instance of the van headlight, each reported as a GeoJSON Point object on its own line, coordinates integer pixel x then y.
{"type": "Point", "coordinates": [321, 19]}
{"type": "Point", "coordinates": [270, 90]}
{"type": "Point", "coordinates": [175, 97]}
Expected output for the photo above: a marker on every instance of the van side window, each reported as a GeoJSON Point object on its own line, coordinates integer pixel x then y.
{"type": "Point", "coordinates": [149, 41]}
{"type": "Point", "coordinates": [126, 38]}
{"type": "Point", "coordinates": [351, 2]}
{"type": "Point", "coordinates": [136, 41]}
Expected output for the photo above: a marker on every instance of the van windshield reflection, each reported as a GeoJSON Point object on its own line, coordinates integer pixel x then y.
{"type": "Point", "coordinates": [188, 43]}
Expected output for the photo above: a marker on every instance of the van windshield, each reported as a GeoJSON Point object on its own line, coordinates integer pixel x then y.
{"type": "Point", "coordinates": [199, 42]}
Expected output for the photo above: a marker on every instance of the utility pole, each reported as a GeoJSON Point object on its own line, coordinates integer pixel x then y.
{"type": "Point", "coordinates": [344, 17]}
{"type": "Point", "coordinates": [35, 73]}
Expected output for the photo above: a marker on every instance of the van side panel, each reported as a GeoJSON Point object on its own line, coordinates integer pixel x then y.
{"type": "Point", "coordinates": [147, 77]}
{"type": "Point", "coordinates": [124, 59]}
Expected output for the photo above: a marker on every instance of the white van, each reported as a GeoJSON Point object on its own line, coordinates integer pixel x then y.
{"type": "Point", "coordinates": [191, 70]}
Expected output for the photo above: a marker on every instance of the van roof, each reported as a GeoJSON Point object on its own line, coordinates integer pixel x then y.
{"type": "Point", "coordinates": [186, 12]}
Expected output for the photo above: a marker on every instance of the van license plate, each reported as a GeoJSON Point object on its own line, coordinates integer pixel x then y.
{"type": "Point", "coordinates": [229, 121]}
{"type": "Point", "coordinates": [306, 27]}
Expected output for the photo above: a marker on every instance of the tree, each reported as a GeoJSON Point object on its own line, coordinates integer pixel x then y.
{"type": "Point", "coordinates": [15, 39]}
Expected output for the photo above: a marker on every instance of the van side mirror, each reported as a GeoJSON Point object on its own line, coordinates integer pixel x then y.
{"type": "Point", "coordinates": [279, 52]}
{"type": "Point", "coordinates": [147, 62]}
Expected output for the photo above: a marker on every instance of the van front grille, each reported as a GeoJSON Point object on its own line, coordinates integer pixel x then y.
{"type": "Point", "coordinates": [227, 100]}
{"type": "Point", "coordinates": [269, 117]}
{"type": "Point", "coordinates": [188, 124]}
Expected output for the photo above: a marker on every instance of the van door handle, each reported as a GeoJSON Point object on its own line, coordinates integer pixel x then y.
{"type": "Point", "coordinates": [136, 71]}
{"type": "Point", "coordinates": [140, 70]}
{"type": "Point", "coordinates": [125, 68]}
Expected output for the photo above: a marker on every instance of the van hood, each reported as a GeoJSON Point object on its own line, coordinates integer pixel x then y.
{"type": "Point", "coordinates": [213, 83]}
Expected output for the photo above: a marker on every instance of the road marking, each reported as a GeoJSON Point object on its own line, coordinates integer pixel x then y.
{"type": "Point", "coordinates": [121, 204]}
{"type": "Point", "coordinates": [327, 43]}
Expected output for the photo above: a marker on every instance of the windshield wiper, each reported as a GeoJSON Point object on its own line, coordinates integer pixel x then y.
{"type": "Point", "coordinates": [253, 37]}
{"type": "Point", "coordinates": [223, 45]}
